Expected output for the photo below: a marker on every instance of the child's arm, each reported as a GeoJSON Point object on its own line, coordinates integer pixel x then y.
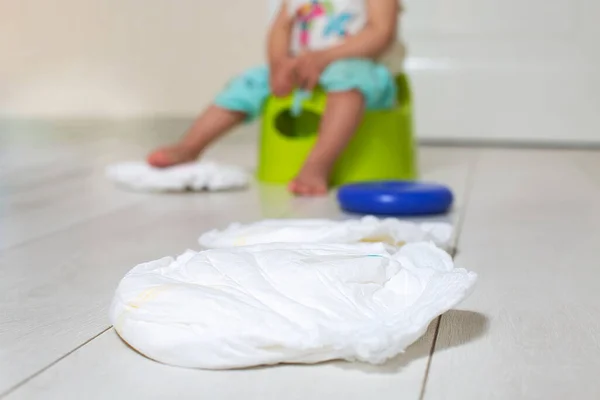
{"type": "Point", "coordinates": [376, 37]}
{"type": "Point", "coordinates": [278, 41]}
{"type": "Point", "coordinates": [281, 64]}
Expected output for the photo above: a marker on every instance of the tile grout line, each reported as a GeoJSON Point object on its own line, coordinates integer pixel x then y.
{"type": "Point", "coordinates": [459, 227]}
{"type": "Point", "coordinates": [430, 357]}
{"type": "Point", "coordinates": [53, 363]}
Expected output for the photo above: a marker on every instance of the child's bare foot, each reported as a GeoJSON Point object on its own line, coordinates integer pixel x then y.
{"type": "Point", "coordinates": [311, 181]}
{"type": "Point", "coordinates": [172, 155]}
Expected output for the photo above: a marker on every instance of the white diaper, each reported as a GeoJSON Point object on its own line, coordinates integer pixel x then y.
{"type": "Point", "coordinates": [193, 176]}
{"type": "Point", "coordinates": [286, 303]}
{"type": "Point", "coordinates": [368, 229]}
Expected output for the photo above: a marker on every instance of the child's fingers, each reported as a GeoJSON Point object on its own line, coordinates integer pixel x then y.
{"type": "Point", "coordinates": [301, 78]}
{"type": "Point", "coordinates": [305, 77]}
{"type": "Point", "coordinates": [303, 84]}
{"type": "Point", "coordinates": [312, 81]}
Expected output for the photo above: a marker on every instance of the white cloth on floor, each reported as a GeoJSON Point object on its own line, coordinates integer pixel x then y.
{"type": "Point", "coordinates": [368, 229]}
{"type": "Point", "coordinates": [192, 176]}
{"type": "Point", "coordinates": [286, 303]}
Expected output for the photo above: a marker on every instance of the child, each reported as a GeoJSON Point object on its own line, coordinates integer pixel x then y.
{"type": "Point", "coordinates": [348, 47]}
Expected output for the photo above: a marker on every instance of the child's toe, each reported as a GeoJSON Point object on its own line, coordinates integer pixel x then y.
{"type": "Point", "coordinates": [159, 159]}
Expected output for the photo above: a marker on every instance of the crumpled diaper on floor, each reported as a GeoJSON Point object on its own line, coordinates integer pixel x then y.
{"type": "Point", "coordinates": [193, 176]}
{"type": "Point", "coordinates": [286, 303]}
{"type": "Point", "coordinates": [368, 229]}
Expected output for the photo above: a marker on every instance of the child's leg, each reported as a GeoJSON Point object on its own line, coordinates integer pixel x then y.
{"type": "Point", "coordinates": [343, 114]}
{"type": "Point", "coordinates": [245, 94]}
{"type": "Point", "coordinates": [210, 125]}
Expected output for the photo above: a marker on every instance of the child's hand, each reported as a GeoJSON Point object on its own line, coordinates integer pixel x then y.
{"type": "Point", "coordinates": [309, 69]}
{"type": "Point", "coordinates": [283, 77]}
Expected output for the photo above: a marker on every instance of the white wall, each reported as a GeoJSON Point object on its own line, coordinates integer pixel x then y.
{"type": "Point", "coordinates": [481, 69]}
{"type": "Point", "coordinates": [122, 57]}
{"type": "Point", "coordinates": [506, 69]}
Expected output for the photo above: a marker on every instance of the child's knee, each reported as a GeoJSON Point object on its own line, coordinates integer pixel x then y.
{"type": "Point", "coordinates": [352, 95]}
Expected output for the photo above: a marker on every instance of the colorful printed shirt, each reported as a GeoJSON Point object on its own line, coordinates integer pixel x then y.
{"type": "Point", "coordinates": [321, 24]}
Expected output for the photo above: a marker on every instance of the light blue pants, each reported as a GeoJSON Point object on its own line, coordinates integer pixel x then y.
{"type": "Point", "coordinates": [248, 92]}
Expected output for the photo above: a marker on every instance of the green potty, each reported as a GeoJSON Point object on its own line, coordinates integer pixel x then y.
{"type": "Point", "coordinates": [381, 149]}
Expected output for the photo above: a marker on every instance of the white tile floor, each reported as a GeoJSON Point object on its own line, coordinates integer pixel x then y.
{"type": "Point", "coordinates": [529, 224]}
